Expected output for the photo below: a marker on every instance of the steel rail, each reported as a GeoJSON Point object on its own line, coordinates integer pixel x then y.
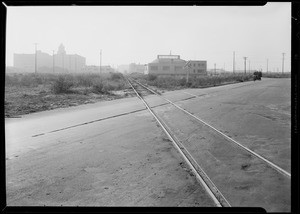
{"type": "Point", "coordinates": [210, 187]}
{"type": "Point", "coordinates": [271, 164]}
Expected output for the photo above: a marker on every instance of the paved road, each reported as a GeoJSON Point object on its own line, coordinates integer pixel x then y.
{"type": "Point", "coordinates": [114, 153]}
{"type": "Point", "coordinates": [257, 115]}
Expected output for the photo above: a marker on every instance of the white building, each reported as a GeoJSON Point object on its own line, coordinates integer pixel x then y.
{"type": "Point", "coordinates": [61, 61]}
{"type": "Point", "coordinates": [173, 65]}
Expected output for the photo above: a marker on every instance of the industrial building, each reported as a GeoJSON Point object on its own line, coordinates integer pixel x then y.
{"type": "Point", "coordinates": [196, 66]}
{"type": "Point", "coordinates": [132, 68]}
{"type": "Point", "coordinates": [61, 61]}
{"type": "Point", "coordinates": [136, 68]}
{"type": "Point", "coordinates": [96, 69]}
{"type": "Point", "coordinates": [173, 65]}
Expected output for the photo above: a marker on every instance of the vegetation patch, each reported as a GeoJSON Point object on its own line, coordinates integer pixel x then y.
{"type": "Point", "coordinates": [276, 75]}
{"type": "Point", "coordinates": [28, 93]}
{"type": "Point", "coordinates": [174, 83]}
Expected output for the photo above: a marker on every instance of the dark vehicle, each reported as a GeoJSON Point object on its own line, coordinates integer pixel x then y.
{"type": "Point", "coordinates": [257, 75]}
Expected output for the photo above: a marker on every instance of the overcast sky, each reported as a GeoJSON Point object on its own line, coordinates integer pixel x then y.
{"type": "Point", "coordinates": [137, 34]}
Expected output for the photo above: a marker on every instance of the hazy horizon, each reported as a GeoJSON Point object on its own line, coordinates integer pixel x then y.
{"type": "Point", "coordinates": [137, 34]}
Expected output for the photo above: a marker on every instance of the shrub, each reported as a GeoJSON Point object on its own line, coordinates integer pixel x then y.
{"type": "Point", "coordinates": [277, 75]}
{"type": "Point", "coordinates": [26, 80]}
{"type": "Point", "coordinates": [182, 81]}
{"type": "Point", "coordinates": [152, 77]}
{"type": "Point", "coordinates": [10, 80]}
{"type": "Point", "coordinates": [62, 85]}
{"type": "Point", "coordinates": [109, 87]}
{"type": "Point", "coordinates": [116, 76]}
{"type": "Point", "coordinates": [85, 80]}
{"type": "Point", "coordinates": [198, 81]}
{"type": "Point", "coordinates": [98, 86]}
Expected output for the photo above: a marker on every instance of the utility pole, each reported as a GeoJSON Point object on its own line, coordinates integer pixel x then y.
{"type": "Point", "coordinates": [283, 62]}
{"type": "Point", "coordinates": [100, 60]}
{"type": "Point", "coordinates": [233, 61]}
{"type": "Point", "coordinates": [35, 66]}
{"type": "Point", "coordinates": [53, 60]}
{"type": "Point", "coordinates": [215, 69]}
{"type": "Point", "coordinates": [249, 66]}
{"type": "Point", "coordinates": [245, 58]}
{"type": "Point", "coordinates": [267, 65]}
{"type": "Point", "coordinates": [188, 71]}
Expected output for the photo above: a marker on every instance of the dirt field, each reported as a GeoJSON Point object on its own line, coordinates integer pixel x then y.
{"type": "Point", "coordinates": [28, 93]}
{"type": "Point", "coordinates": [24, 100]}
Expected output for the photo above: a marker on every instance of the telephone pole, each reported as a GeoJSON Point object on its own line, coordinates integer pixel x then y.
{"type": "Point", "coordinates": [233, 67]}
{"type": "Point", "coordinates": [283, 62]}
{"type": "Point", "coordinates": [53, 60]}
{"type": "Point", "coordinates": [100, 60]}
{"type": "Point", "coordinates": [215, 69]}
{"type": "Point", "coordinates": [188, 71]}
{"type": "Point", "coordinates": [249, 66]}
{"type": "Point", "coordinates": [35, 66]}
{"type": "Point", "coordinates": [267, 65]}
{"type": "Point", "coordinates": [245, 58]}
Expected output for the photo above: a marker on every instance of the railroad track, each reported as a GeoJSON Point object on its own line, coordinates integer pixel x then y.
{"type": "Point", "coordinates": [210, 187]}
{"type": "Point", "coordinates": [272, 170]}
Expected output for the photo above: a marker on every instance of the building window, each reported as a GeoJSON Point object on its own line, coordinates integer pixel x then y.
{"type": "Point", "coordinates": [166, 68]}
{"type": "Point", "coordinates": [154, 68]}
{"type": "Point", "coordinates": [194, 70]}
{"type": "Point", "coordinates": [199, 64]}
{"type": "Point", "coordinates": [178, 68]}
{"type": "Point", "coordinates": [194, 64]}
{"type": "Point", "coordinates": [199, 71]}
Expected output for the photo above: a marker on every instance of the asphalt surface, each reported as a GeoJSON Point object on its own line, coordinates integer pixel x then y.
{"type": "Point", "coordinates": [114, 154]}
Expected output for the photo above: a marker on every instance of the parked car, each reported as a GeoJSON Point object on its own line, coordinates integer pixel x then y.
{"type": "Point", "coordinates": [257, 75]}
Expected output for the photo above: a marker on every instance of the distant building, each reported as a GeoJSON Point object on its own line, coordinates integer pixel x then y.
{"type": "Point", "coordinates": [62, 62]}
{"type": "Point", "coordinates": [107, 69]}
{"type": "Point", "coordinates": [96, 69]}
{"type": "Point", "coordinates": [136, 68]}
{"type": "Point", "coordinates": [173, 65]}
{"type": "Point", "coordinates": [132, 68]}
{"type": "Point", "coordinates": [196, 67]}
{"type": "Point", "coordinates": [123, 69]}
{"type": "Point", "coordinates": [68, 62]}
{"type": "Point", "coordinates": [166, 65]}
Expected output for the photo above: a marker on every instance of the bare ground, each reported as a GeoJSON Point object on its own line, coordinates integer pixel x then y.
{"type": "Point", "coordinates": [25, 100]}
